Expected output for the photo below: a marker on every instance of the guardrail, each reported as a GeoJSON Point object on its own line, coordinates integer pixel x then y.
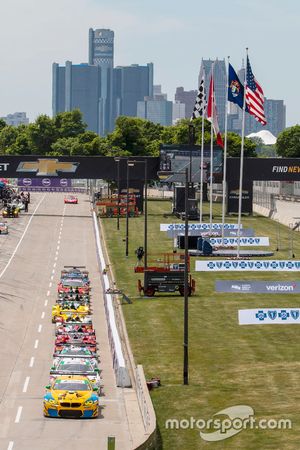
{"type": "Point", "coordinates": [121, 371]}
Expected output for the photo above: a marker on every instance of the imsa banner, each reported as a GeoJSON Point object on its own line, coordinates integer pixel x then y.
{"type": "Point", "coordinates": [244, 241]}
{"type": "Point", "coordinates": [266, 316]}
{"type": "Point", "coordinates": [258, 287]}
{"type": "Point", "coordinates": [269, 265]}
{"type": "Point", "coordinates": [198, 226]}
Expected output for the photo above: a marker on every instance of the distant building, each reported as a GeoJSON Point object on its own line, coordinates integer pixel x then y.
{"type": "Point", "coordinates": [187, 98]}
{"type": "Point", "coordinates": [178, 111]}
{"type": "Point", "coordinates": [78, 86]}
{"type": "Point", "coordinates": [15, 119]}
{"type": "Point", "coordinates": [130, 85]}
{"type": "Point", "coordinates": [157, 110]}
{"type": "Point", "coordinates": [220, 81]}
{"type": "Point", "coordinates": [101, 53]}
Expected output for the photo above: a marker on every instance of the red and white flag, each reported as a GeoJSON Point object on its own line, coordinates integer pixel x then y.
{"type": "Point", "coordinates": [211, 112]}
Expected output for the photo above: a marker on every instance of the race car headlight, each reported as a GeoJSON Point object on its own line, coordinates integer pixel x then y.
{"type": "Point", "coordinates": [90, 402]}
{"type": "Point", "coordinates": [51, 401]}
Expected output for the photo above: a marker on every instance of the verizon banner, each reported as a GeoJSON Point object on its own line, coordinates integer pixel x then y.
{"type": "Point", "coordinates": [258, 287]}
{"type": "Point", "coordinates": [198, 226]}
{"type": "Point", "coordinates": [279, 316]}
{"type": "Point", "coordinates": [244, 241]}
{"type": "Point", "coordinates": [247, 265]}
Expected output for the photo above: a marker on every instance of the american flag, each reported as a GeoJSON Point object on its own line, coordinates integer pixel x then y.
{"type": "Point", "coordinates": [254, 96]}
{"type": "Point", "coordinates": [200, 103]}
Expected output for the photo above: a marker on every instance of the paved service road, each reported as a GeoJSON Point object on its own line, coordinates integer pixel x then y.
{"type": "Point", "coordinates": [40, 243]}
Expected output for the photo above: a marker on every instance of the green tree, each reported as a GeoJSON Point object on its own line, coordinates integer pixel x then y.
{"type": "Point", "coordinates": [41, 135]}
{"type": "Point", "coordinates": [288, 142]}
{"type": "Point", "coordinates": [69, 124]}
{"type": "Point", "coordinates": [234, 146]}
{"type": "Point", "coordinates": [8, 136]}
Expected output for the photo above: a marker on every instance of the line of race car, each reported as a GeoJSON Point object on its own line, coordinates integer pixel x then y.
{"type": "Point", "coordinates": [75, 381]}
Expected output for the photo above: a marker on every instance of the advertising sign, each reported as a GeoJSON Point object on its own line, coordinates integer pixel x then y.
{"type": "Point", "coordinates": [233, 197]}
{"type": "Point", "coordinates": [198, 226]}
{"type": "Point", "coordinates": [249, 232]}
{"type": "Point", "coordinates": [258, 287]}
{"type": "Point", "coordinates": [267, 316]}
{"type": "Point", "coordinates": [244, 241]}
{"type": "Point", "coordinates": [267, 265]}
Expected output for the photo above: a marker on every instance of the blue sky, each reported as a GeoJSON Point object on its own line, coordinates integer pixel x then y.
{"type": "Point", "coordinates": [174, 35]}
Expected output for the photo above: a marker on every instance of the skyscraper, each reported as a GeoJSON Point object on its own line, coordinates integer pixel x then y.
{"type": "Point", "coordinates": [220, 82]}
{"type": "Point", "coordinates": [101, 53]}
{"type": "Point", "coordinates": [188, 98]}
{"type": "Point", "coordinates": [78, 86]}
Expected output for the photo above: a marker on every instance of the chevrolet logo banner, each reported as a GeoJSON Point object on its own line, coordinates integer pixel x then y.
{"type": "Point", "coordinates": [47, 167]}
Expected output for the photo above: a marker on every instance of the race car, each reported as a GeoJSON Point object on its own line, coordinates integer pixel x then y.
{"type": "Point", "coordinates": [69, 296]}
{"type": "Point", "coordinates": [76, 338]}
{"type": "Point", "coordinates": [67, 328]}
{"type": "Point", "coordinates": [73, 285]}
{"type": "Point", "coordinates": [79, 351]}
{"type": "Point", "coordinates": [76, 366]}
{"type": "Point", "coordinates": [71, 316]}
{"type": "Point", "coordinates": [3, 228]}
{"type": "Point", "coordinates": [68, 302]}
{"type": "Point", "coordinates": [10, 211]}
{"type": "Point", "coordinates": [59, 312]}
{"type": "Point", "coordinates": [62, 343]}
{"type": "Point", "coordinates": [71, 199]}
{"type": "Point", "coordinates": [71, 396]}
{"type": "Point", "coordinates": [75, 272]}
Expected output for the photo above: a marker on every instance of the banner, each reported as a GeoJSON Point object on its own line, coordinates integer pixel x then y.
{"type": "Point", "coordinates": [44, 182]}
{"type": "Point", "coordinates": [267, 265]}
{"type": "Point", "coordinates": [258, 287]}
{"type": "Point", "coordinates": [266, 316]}
{"type": "Point", "coordinates": [244, 241]}
{"type": "Point", "coordinates": [198, 226]}
{"type": "Point", "coordinates": [249, 232]}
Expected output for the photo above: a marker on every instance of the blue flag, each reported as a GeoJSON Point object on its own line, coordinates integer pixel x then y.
{"type": "Point", "coordinates": [235, 88]}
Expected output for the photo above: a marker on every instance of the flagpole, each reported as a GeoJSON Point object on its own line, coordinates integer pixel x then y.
{"type": "Point", "coordinates": [242, 163]}
{"type": "Point", "coordinates": [225, 155]}
{"type": "Point", "coordinates": [211, 147]}
{"type": "Point", "coordinates": [201, 163]}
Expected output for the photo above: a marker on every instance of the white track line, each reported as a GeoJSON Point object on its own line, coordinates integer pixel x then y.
{"type": "Point", "coordinates": [48, 293]}
{"type": "Point", "coordinates": [26, 384]}
{"type": "Point", "coordinates": [10, 445]}
{"type": "Point", "coordinates": [54, 265]}
{"type": "Point", "coordinates": [18, 416]}
{"type": "Point", "coordinates": [21, 238]}
{"type": "Point", "coordinates": [31, 361]}
{"type": "Point", "coordinates": [51, 278]}
{"type": "Point", "coordinates": [40, 328]}
{"type": "Point", "coordinates": [43, 315]}
{"type": "Point", "coordinates": [36, 344]}
{"type": "Point", "coordinates": [46, 303]}
{"type": "Point", "coordinates": [50, 285]}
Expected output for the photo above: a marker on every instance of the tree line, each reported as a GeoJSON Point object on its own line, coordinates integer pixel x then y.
{"type": "Point", "coordinates": [66, 134]}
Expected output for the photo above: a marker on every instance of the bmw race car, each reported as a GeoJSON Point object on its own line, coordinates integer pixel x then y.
{"type": "Point", "coordinates": [71, 396]}
{"type": "Point", "coordinates": [76, 366]}
{"type": "Point", "coordinates": [3, 228]}
{"type": "Point", "coordinates": [73, 285]}
{"type": "Point", "coordinates": [71, 199]}
{"type": "Point", "coordinates": [75, 272]}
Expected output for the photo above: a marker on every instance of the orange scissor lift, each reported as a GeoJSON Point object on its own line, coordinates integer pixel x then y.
{"type": "Point", "coordinates": [117, 205]}
{"type": "Point", "coordinates": [165, 273]}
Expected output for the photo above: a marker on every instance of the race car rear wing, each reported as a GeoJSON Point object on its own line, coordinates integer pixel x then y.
{"type": "Point", "coordinates": [65, 355]}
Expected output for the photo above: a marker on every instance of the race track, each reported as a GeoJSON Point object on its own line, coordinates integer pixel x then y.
{"type": "Point", "coordinates": [37, 247]}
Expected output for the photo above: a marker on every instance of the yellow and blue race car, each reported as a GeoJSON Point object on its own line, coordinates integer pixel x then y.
{"type": "Point", "coordinates": [59, 312]}
{"type": "Point", "coordinates": [71, 396]}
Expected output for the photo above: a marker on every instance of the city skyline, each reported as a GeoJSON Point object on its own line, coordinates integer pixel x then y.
{"type": "Point", "coordinates": [175, 40]}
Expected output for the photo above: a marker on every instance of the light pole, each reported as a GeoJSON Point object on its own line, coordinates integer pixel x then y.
{"type": "Point", "coordinates": [186, 288]}
{"type": "Point", "coordinates": [129, 164]}
{"type": "Point", "coordinates": [145, 208]}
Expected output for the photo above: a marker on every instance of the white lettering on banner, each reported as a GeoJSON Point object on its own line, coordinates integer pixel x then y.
{"type": "Point", "coordinates": [3, 167]}
{"type": "Point", "coordinates": [278, 265]}
{"type": "Point", "coordinates": [264, 316]}
{"type": "Point", "coordinates": [244, 241]}
{"type": "Point", "coordinates": [198, 226]}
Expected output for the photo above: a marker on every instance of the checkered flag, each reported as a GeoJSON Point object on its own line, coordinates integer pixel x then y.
{"type": "Point", "coordinates": [200, 103]}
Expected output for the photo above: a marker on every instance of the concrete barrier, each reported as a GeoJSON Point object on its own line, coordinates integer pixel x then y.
{"type": "Point", "coordinates": [121, 372]}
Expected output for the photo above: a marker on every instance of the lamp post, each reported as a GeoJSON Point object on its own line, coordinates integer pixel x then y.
{"type": "Point", "coordinates": [129, 164]}
{"type": "Point", "coordinates": [186, 288]}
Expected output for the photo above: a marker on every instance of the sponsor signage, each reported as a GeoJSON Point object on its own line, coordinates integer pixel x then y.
{"type": "Point", "coordinates": [244, 241]}
{"type": "Point", "coordinates": [233, 197]}
{"type": "Point", "coordinates": [258, 287]}
{"type": "Point", "coordinates": [44, 182]}
{"type": "Point", "coordinates": [228, 233]}
{"type": "Point", "coordinates": [265, 265]}
{"type": "Point", "coordinates": [198, 226]}
{"type": "Point", "coordinates": [281, 169]}
{"type": "Point", "coordinates": [265, 316]}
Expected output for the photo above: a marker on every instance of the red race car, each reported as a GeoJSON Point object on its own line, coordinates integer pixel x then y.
{"type": "Point", "coordinates": [71, 199]}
